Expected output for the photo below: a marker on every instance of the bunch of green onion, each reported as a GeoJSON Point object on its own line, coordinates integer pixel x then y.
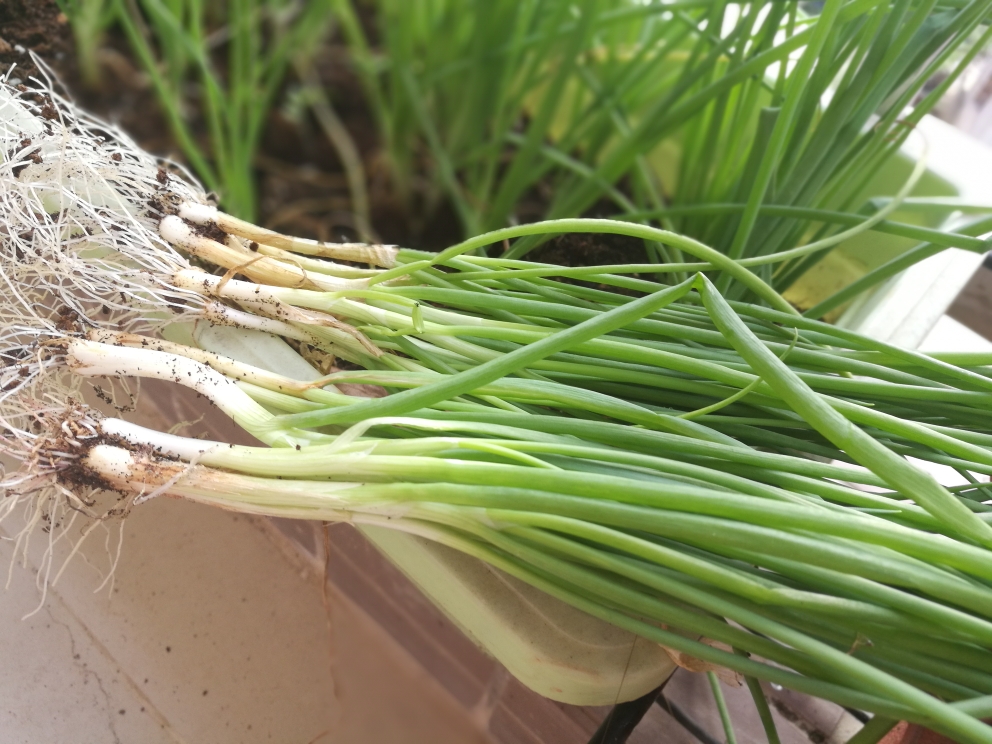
{"type": "Point", "coordinates": [864, 598]}
{"type": "Point", "coordinates": [661, 458]}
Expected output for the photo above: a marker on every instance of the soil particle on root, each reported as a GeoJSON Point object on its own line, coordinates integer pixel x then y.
{"type": "Point", "coordinates": [211, 231]}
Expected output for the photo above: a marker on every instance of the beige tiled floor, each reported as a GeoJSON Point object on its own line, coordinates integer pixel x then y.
{"type": "Point", "coordinates": [211, 635]}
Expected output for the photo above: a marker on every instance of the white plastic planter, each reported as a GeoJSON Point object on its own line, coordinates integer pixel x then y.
{"type": "Point", "coordinates": [904, 309]}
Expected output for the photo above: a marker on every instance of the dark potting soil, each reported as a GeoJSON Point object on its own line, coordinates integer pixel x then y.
{"type": "Point", "coordinates": [35, 25]}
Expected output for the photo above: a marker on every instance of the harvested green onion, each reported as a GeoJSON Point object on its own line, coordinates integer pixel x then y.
{"type": "Point", "coordinates": [662, 460]}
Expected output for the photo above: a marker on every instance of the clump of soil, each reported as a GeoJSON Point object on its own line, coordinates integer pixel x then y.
{"type": "Point", "coordinates": [579, 249]}
{"type": "Point", "coordinates": [590, 249]}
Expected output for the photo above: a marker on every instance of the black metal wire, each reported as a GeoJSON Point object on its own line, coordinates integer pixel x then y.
{"type": "Point", "coordinates": [859, 714]}
{"type": "Point", "coordinates": [621, 721]}
{"type": "Point", "coordinates": [685, 720]}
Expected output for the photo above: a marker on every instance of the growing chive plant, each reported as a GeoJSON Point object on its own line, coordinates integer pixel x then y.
{"type": "Point", "coordinates": [226, 61]}
{"type": "Point", "coordinates": [755, 128]}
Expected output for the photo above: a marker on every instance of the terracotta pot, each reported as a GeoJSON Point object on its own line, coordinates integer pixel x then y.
{"type": "Point", "coordinates": [910, 733]}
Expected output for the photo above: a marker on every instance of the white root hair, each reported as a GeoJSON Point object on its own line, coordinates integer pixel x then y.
{"type": "Point", "coordinates": [81, 204]}
{"type": "Point", "coordinates": [49, 493]}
